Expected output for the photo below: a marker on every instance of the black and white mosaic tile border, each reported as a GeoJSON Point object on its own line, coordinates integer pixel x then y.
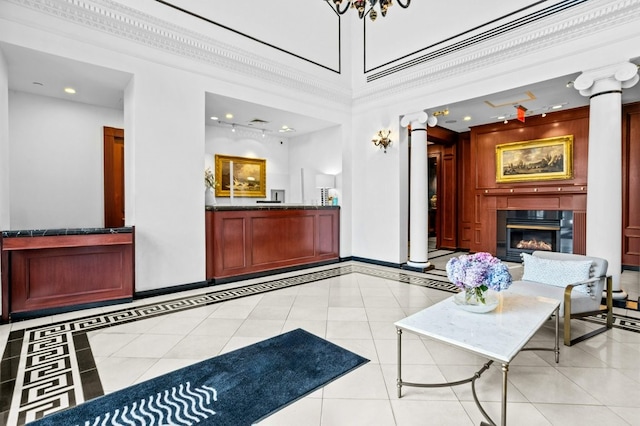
{"type": "Point", "coordinates": [49, 368]}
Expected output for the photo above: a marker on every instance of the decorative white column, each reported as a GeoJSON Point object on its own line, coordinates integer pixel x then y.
{"type": "Point", "coordinates": [604, 178]}
{"type": "Point", "coordinates": [419, 211]}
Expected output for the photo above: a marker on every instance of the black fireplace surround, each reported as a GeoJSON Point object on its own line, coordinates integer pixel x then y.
{"type": "Point", "coordinates": [525, 231]}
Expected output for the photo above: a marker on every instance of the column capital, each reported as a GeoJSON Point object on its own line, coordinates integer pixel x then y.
{"type": "Point", "coordinates": [420, 117]}
{"type": "Point", "coordinates": [612, 78]}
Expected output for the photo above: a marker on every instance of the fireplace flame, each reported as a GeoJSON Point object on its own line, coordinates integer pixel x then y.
{"type": "Point", "coordinates": [533, 245]}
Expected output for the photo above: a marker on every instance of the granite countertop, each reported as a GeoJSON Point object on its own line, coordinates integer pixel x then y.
{"type": "Point", "coordinates": [269, 207]}
{"type": "Point", "coordinates": [65, 231]}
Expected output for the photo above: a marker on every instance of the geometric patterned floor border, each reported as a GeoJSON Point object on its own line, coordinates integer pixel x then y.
{"type": "Point", "coordinates": [49, 368]}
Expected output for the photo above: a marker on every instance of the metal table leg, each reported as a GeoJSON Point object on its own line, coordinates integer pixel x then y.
{"type": "Point", "coordinates": [399, 379]}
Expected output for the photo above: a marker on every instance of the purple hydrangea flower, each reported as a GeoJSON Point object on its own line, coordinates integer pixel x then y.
{"type": "Point", "coordinates": [479, 270]}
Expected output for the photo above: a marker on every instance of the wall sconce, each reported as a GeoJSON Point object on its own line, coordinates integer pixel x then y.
{"type": "Point", "coordinates": [383, 140]}
{"type": "Point", "coordinates": [324, 182]}
{"type": "Point", "coordinates": [444, 112]}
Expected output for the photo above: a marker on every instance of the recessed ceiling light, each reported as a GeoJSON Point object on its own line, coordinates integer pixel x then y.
{"type": "Point", "coordinates": [556, 107]}
{"type": "Point", "coordinates": [467, 118]}
{"type": "Point", "coordinates": [69, 90]}
{"type": "Point", "coordinates": [229, 116]}
{"type": "Point", "coordinates": [502, 117]}
{"type": "Point", "coordinates": [214, 117]}
{"type": "Point", "coordinates": [285, 127]}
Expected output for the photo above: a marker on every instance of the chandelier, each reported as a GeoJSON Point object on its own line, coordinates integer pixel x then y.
{"type": "Point", "coordinates": [361, 7]}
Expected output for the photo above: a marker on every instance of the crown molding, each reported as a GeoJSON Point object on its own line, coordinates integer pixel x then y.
{"type": "Point", "coordinates": [587, 21]}
{"type": "Point", "coordinates": [116, 19]}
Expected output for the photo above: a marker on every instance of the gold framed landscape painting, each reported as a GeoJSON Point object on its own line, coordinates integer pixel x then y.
{"type": "Point", "coordinates": [535, 160]}
{"type": "Point", "coordinates": [249, 176]}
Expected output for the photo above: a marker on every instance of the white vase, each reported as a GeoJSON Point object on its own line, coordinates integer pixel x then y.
{"type": "Point", "coordinates": [209, 197]}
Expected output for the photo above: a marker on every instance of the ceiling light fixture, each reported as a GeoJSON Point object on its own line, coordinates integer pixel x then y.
{"type": "Point", "coordinates": [467, 118]}
{"type": "Point", "coordinates": [361, 7]}
{"type": "Point", "coordinates": [70, 90]}
{"type": "Point", "coordinates": [214, 118]}
{"type": "Point", "coordinates": [228, 116]}
{"type": "Point", "coordinates": [235, 126]}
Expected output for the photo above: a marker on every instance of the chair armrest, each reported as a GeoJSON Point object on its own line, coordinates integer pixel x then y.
{"type": "Point", "coordinates": [589, 282]}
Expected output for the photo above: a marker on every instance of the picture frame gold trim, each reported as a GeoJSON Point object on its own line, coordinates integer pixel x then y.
{"type": "Point", "coordinates": [249, 175]}
{"type": "Point", "coordinates": [535, 160]}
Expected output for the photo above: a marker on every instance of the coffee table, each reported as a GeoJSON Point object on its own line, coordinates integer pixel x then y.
{"type": "Point", "coordinates": [498, 335]}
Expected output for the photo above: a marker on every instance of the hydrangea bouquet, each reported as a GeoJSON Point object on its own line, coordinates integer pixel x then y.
{"type": "Point", "coordinates": [477, 273]}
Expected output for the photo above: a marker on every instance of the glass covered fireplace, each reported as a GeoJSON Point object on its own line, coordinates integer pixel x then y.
{"type": "Point", "coordinates": [525, 231]}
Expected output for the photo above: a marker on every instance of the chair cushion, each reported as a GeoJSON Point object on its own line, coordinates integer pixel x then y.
{"type": "Point", "coordinates": [558, 273]}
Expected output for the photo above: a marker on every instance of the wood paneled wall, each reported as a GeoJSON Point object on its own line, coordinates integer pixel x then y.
{"type": "Point", "coordinates": [470, 216]}
{"type": "Point", "coordinates": [488, 196]}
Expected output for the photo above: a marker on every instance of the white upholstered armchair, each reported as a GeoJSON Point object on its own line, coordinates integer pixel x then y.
{"type": "Point", "coordinates": [577, 281]}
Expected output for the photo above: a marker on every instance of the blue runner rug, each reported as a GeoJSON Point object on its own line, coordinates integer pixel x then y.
{"type": "Point", "coordinates": [237, 388]}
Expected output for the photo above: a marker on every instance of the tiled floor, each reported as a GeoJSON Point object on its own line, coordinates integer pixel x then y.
{"type": "Point", "coordinates": [353, 305]}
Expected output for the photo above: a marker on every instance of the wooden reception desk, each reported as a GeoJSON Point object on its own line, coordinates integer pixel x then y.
{"type": "Point", "coordinates": [245, 240]}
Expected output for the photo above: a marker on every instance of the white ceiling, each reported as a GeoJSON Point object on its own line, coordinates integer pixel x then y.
{"type": "Point", "coordinates": [47, 75]}
{"type": "Point", "coordinates": [260, 117]}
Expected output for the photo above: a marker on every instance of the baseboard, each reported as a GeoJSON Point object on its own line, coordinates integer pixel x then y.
{"type": "Point", "coordinates": [21, 316]}
{"type": "Point", "coordinates": [226, 280]}
{"type": "Point", "coordinates": [376, 262]}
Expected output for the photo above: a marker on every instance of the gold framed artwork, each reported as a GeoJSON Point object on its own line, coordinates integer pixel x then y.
{"type": "Point", "coordinates": [249, 177]}
{"type": "Point", "coordinates": [535, 160]}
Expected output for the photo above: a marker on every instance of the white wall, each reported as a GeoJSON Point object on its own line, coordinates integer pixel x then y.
{"type": "Point", "coordinates": [165, 137]}
{"type": "Point", "coordinates": [251, 144]}
{"type": "Point", "coordinates": [56, 155]}
{"type": "Point", "coordinates": [313, 154]}
{"type": "Point", "coordinates": [4, 151]}
{"type": "Point", "coordinates": [4, 145]}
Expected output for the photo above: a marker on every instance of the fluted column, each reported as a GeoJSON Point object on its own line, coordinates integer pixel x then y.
{"type": "Point", "coordinates": [604, 178]}
{"type": "Point", "coordinates": [418, 213]}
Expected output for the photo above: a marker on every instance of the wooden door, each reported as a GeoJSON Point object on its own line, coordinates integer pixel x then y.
{"type": "Point", "coordinates": [113, 177]}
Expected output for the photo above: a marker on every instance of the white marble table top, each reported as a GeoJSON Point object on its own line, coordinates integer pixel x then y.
{"type": "Point", "coordinates": [498, 335]}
